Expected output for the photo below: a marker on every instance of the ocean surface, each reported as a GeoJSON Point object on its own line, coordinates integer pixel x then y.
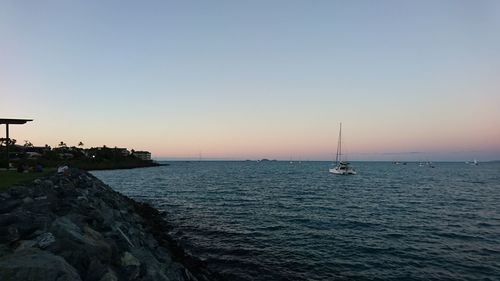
{"type": "Point", "coordinates": [296, 221]}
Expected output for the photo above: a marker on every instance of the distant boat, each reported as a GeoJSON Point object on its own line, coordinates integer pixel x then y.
{"type": "Point", "coordinates": [341, 167]}
{"type": "Point", "coordinates": [473, 163]}
{"type": "Point", "coordinates": [428, 164]}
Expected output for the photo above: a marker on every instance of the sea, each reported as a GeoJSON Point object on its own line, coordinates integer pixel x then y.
{"type": "Point", "coordinates": [281, 220]}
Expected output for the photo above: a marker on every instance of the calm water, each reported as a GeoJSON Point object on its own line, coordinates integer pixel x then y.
{"type": "Point", "coordinates": [282, 221]}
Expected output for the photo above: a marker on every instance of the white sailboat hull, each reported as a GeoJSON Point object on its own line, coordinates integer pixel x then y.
{"type": "Point", "coordinates": [337, 171]}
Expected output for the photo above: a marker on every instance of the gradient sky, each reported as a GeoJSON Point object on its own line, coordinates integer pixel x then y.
{"type": "Point", "coordinates": [410, 80]}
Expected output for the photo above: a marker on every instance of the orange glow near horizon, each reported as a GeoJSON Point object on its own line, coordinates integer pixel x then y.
{"type": "Point", "coordinates": [270, 141]}
{"type": "Point", "coordinates": [410, 80]}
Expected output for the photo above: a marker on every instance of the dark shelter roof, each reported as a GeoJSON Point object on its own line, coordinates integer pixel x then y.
{"type": "Point", "coordinates": [14, 121]}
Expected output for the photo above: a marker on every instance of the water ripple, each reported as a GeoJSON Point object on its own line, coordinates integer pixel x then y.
{"type": "Point", "coordinates": [282, 221]}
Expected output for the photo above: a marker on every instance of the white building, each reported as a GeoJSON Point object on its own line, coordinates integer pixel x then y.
{"type": "Point", "coordinates": [143, 155]}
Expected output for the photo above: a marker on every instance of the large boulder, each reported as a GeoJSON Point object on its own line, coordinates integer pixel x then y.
{"type": "Point", "coordinates": [79, 245]}
{"type": "Point", "coordinates": [36, 265]}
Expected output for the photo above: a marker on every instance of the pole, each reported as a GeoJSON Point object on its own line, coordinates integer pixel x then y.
{"type": "Point", "coordinates": [7, 144]}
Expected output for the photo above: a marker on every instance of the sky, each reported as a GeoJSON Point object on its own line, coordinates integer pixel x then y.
{"type": "Point", "coordinates": [409, 80]}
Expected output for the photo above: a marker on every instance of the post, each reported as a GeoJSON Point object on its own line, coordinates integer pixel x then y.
{"type": "Point", "coordinates": [7, 145]}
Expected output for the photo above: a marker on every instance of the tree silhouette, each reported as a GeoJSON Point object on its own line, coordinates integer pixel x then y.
{"type": "Point", "coordinates": [5, 141]}
{"type": "Point", "coordinates": [27, 143]}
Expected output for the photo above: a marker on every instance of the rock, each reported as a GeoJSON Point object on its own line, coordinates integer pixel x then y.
{"type": "Point", "coordinates": [44, 240]}
{"type": "Point", "coordinates": [7, 219]}
{"type": "Point", "coordinates": [5, 195]}
{"type": "Point", "coordinates": [71, 226]}
{"type": "Point", "coordinates": [153, 269]}
{"type": "Point", "coordinates": [62, 169]}
{"type": "Point", "coordinates": [47, 184]}
{"type": "Point", "coordinates": [4, 250]}
{"type": "Point", "coordinates": [10, 234]}
{"type": "Point", "coordinates": [9, 205]}
{"type": "Point", "coordinates": [41, 198]}
{"type": "Point", "coordinates": [65, 228]}
{"type": "Point", "coordinates": [175, 272]}
{"type": "Point", "coordinates": [19, 191]}
{"type": "Point", "coordinates": [28, 200]}
{"type": "Point", "coordinates": [151, 242]}
{"type": "Point", "coordinates": [128, 259]}
{"type": "Point", "coordinates": [79, 247]}
{"type": "Point", "coordinates": [124, 236]}
{"type": "Point", "coordinates": [25, 244]}
{"type": "Point", "coordinates": [26, 224]}
{"type": "Point", "coordinates": [131, 265]}
{"type": "Point", "coordinates": [190, 275]}
{"type": "Point", "coordinates": [96, 270]}
{"type": "Point", "coordinates": [31, 264]}
{"type": "Point", "coordinates": [109, 276]}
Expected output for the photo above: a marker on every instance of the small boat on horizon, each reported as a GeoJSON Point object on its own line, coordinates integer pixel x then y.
{"type": "Point", "coordinates": [341, 167]}
{"type": "Point", "coordinates": [473, 163]}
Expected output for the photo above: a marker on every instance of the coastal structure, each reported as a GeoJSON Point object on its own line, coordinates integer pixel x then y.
{"type": "Point", "coordinates": [8, 122]}
{"type": "Point", "coordinates": [71, 226]}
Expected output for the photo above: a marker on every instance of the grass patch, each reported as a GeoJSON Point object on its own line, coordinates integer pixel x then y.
{"type": "Point", "coordinates": [10, 178]}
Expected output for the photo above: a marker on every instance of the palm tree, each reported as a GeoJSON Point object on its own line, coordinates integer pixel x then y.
{"type": "Point", "coordinates": [62, 144]}
{"type": "Point", "coordinates": [80, 144]}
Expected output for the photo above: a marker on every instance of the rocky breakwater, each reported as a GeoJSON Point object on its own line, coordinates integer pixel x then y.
{"type": "Point", "coordinates": [71, 226]}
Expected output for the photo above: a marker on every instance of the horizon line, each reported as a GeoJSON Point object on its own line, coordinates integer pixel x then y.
{"type": "Point", "coordinates": [181, 159]}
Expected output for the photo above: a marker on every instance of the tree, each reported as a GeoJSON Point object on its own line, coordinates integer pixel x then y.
{"type": "Point", "coordinates": [5, 141]}
{"type": "Point", "coordinates": [27, 143]}
{"type": "Point", "coordinates": [62, 144]}
{"type": "Point", "coordinates": [80, 144]}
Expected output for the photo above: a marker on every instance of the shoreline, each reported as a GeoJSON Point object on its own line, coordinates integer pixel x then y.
{"type": "Point", "coordinates": [72, 226]}
{"type": "Point", "coordinates": [99, 166]}
{"type": "Point", "coordinates": [124, 167]}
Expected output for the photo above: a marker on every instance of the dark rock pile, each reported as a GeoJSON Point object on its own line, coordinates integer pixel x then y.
{"type": "Point", "coordinates": [71, 226]}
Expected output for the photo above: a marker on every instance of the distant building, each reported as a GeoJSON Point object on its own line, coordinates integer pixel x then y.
{"type": "Point", "coordinates": [123, 151]}
{"type": "Point", "coordinates": [143, 155]}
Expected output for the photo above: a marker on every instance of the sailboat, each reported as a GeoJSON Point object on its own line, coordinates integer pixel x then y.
{"type": "Point", "coordinates": [341, 167]}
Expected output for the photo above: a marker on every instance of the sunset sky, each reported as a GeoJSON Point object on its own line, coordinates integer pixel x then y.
{"type": "Point", "coordinates": [409, 80]}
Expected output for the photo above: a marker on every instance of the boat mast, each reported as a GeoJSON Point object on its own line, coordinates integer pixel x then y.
{"type": "Point", "coordinates": [339, 145]}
